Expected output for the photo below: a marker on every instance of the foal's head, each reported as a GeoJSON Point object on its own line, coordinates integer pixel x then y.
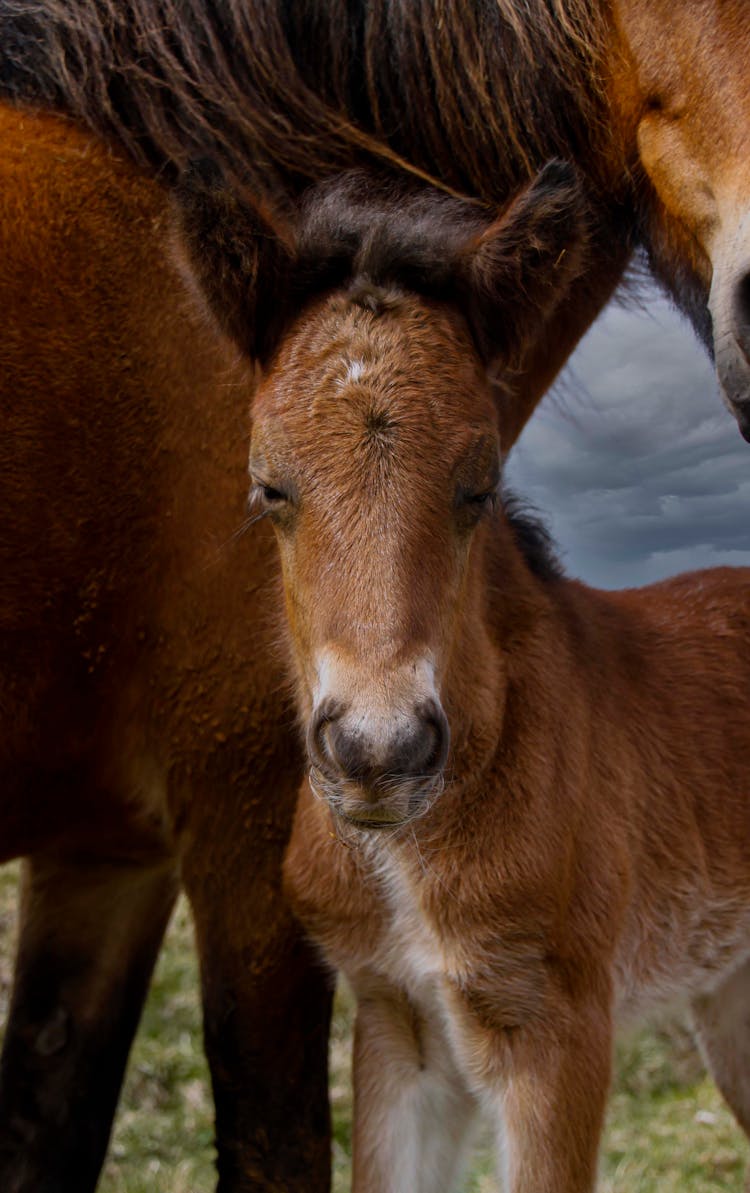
{"type": "Point", "coordinates": [384, 332]}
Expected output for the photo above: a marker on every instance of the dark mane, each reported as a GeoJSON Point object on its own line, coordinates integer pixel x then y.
{"type": "Point", "coordinates": [380, 232]}
{"type": "Point", "coordinates": [298, 89]}
{"type": "Point", "coordinates": [532, 537]}
{"type": "Point", "coordinates": [376, 237]}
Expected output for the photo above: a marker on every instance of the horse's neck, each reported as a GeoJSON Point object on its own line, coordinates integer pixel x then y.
{"type": "Point", "coordinates": [510, 622]}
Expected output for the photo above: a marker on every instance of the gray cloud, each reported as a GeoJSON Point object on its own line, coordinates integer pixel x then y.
{"type": "Point", "coordinates": [637, 465]}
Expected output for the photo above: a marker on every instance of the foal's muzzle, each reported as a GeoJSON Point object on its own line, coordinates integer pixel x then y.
{"type": "Point", "coordinates": [378, 771]}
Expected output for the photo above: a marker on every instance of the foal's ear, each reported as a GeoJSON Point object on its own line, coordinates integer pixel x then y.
{"type": "Point", "coordinates": [518, 271]}
{"type": "Point", "coordinates": [238, 260]}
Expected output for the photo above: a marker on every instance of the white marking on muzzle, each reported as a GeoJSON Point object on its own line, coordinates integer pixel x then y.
{"type": "Point", "coordinates": [376, 707]}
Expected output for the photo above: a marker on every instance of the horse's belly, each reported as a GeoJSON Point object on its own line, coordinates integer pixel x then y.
{"type": "Point", "coordinates": [685, 958]}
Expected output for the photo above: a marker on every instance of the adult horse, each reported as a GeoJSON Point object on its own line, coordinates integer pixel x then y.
{"type": "Point", "coordinates": [649, 98]}
{"type": "Point", "coordinates": [145, 732]}
{"type": "Point", "coordinates": [528, 808]}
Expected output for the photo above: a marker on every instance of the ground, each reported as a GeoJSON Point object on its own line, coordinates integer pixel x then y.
{"type": "Point", "coordinates": [668, 1129]}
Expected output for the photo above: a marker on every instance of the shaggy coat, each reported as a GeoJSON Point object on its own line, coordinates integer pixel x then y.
{"type": "Point", "coordinates": [528, 806]}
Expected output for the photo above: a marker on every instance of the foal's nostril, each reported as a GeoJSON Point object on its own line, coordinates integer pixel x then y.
{"type": "Point", "coordinates": [333, 747]}
{"type": "Point", "coordinates": [435, 738]}
{"type": "Point", "coordinates": [324, 716]}
{"type": "Point", "coordinates": [350, 752]}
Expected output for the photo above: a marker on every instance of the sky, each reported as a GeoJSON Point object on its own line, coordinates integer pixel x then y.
{"type": "Point", "coordinates": [635, 464]}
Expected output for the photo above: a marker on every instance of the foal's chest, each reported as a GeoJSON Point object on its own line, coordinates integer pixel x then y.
{"type": "Point", "coordinates": [411, 951]}
{"type": "Point", "coordinates": [496, 974]}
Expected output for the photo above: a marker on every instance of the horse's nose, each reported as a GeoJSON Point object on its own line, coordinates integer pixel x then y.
{"type": "Point", "coordinates": [372, 748]}
{"type": "Point", "coordinates": [733, 354]}
{"type": "Point", "coordinates": [729, 306]}
{"type": "Point", "coordinates": [742, 304]}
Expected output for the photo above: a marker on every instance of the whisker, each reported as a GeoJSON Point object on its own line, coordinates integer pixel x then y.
{"type": "Point", "coordinates": [240, 531]}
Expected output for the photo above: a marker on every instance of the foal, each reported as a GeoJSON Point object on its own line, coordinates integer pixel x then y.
{"type": "Point", "coordinates": [528, 810]}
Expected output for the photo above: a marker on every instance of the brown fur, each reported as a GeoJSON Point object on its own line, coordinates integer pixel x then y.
{"type": "Point", "coordinates": [138, 75]}
{"type": "Point", "coordinates": [145, 734]}
{"type": "Point", "coordinates": [648, 100]}
{"type": "Point", "coordinates": [589, 855]}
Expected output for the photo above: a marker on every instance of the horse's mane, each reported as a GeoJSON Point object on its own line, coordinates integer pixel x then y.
{"type": "Point", "coordinates": [475, 93]}
{"type": "Point", "coordinates": [532, 537]}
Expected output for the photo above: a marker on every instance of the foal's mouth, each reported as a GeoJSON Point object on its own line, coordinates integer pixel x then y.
{"type": "Point", "coordinates": [391, 803]}
{"type": "Point", "coordinates": [370, 824]}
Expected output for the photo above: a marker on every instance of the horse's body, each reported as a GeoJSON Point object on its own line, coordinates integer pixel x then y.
{"type": "Point", "coordinates": [143, 723]}
{"type": "Point", "coordinates": [589, 855]}
{"type": "Point", "coordinates": [593, 866]}
{"type": "Point", "coordinates": [649, 98]}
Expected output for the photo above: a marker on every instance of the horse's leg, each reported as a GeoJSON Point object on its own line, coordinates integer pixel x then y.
{"type": "Point", "coordinates": [266, 998]}
{"type": "Point", "coordinates": [722, 1027]}
{"type": "Point", "coordinates": [413, 1114]}
{"type": "Point", "coordinates": [90, 931]}
{"type": "Point", "coordinates": [547, 1071]}
{"type": "Point", "coordinates": [552, 1098]}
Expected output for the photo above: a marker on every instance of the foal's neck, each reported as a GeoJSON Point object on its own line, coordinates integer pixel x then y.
{"type": "Point", "coordinates": [507, 620]}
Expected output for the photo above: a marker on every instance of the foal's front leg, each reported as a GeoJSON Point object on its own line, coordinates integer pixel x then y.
{"type": "Point", "coordinates": [549, 1078]}
{"type": "Point", "coordinates": [413, 1113]}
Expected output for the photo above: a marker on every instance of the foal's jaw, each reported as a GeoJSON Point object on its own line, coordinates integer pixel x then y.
{"type": "Point", "coordinates": [377, 746]}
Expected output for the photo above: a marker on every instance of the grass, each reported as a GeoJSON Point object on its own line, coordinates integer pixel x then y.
{"type": "Point", "coordinates": [668, 1130]}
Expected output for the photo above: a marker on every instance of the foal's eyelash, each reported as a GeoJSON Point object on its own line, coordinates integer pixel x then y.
{"type": "Point", "coordinates": [253, 501]}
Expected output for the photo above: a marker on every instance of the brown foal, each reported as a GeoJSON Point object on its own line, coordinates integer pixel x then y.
{"type": "Point", "coordinates": [528, 811]}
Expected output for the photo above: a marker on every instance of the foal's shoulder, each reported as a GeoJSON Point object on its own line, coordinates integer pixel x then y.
{"type": "Point", "coordinates": [710, 601]}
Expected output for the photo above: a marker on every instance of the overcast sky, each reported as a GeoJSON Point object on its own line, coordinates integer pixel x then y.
{"type": "Point", "coordinates": [637, 466]}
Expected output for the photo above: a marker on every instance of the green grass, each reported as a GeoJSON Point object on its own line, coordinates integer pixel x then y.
{"type": "Point", "coordinates": [668, 1130]}
{"type": "Point", "coordinates": [163, 1139]}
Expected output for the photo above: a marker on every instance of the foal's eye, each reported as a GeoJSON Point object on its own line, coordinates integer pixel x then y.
{"type": "Point", "coordinates": [480, 502]}
{"type": "Point", "coordinates": [271, 495]}
{"type": "Point", "coordinates": [267, 497]}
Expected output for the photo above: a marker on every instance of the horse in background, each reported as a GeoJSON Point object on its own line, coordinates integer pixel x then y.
{"type": "Point", "coordinates": [528, 806]}
{"type": "Point", "coordinates": [648, 97]}
{"type": "Point", "coordinates": [147, 738]}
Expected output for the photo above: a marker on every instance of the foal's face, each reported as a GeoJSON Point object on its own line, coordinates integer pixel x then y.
{"type": "Point", "coordinates": [375, 452]}
{"type": "Point", "coordinates": [375, 444]}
